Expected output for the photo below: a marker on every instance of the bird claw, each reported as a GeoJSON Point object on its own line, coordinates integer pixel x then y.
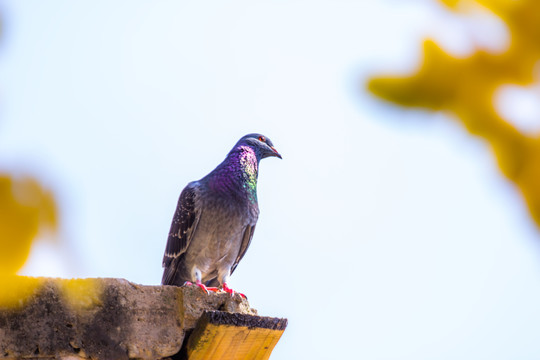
{"type": "Point", "coordinates": [227, 289]}
{"type": "Point", "coordinates": [202, 286]}
{"type": "Point", "coordinates": [224, 288]}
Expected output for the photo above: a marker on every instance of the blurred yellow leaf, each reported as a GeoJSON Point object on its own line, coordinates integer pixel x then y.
{"type": "Point", "coordinates": [78, 294]}
{"type": "Point", "coordinates": [82, 294]}
{"type": "Point", "coordinates": [25, 209]}
{"type": "Point", "coordinates": [465, 87]}
{"type": "Point", "coordinates": [17, 290]}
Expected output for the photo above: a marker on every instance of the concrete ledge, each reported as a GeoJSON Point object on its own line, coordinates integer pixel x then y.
{"type": "Point", "coordinates": [44, 318]}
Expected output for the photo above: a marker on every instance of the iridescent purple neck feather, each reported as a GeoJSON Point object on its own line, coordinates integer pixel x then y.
{"type": "Point", "coordinates": [237, 174]}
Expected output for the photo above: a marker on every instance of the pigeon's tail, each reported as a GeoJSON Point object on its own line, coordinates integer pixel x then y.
{"type": "Point", "coordinates": [171, 275]}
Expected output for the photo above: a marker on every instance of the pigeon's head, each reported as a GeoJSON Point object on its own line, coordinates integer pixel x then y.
{"type": "Point", "coordinates": [262, 145]}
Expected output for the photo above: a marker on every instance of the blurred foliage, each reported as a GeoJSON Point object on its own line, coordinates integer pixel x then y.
{"type": "Point", "coordinates": [78, 294]}
{"type": "Point", "coordinates": [25, 209]}
{"type": "Point", "coordinates": [465, 87]}
{"type": "Point", "coordinates": [16, 290]}
{"type": "Point", "coordinates": [82, 294]}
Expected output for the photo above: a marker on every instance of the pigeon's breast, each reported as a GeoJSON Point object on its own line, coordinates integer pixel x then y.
{"type": "Point", "coordinates": [217, 241]}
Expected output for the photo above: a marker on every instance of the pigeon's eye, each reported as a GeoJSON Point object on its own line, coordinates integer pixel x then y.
{"type": "Point", "coordinates": [262, 138]}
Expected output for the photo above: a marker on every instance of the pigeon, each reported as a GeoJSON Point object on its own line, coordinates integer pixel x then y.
{"type": "Point", "coordinates": [215, 218]}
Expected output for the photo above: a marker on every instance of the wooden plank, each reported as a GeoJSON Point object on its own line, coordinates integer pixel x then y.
{"type": "Point", "coordinates": [226, 336]}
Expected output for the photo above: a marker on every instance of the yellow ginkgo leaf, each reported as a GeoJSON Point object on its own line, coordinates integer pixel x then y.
{"type": "Point", "coordinates": [25, 209]}
{"type": "Point", "coordinates": [465, 87]}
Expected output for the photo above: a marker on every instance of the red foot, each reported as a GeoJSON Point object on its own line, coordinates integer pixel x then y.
{"type": "Point", "coordinates": [202, 286]}
{"type": "Point", "coordinates": [227, 289]}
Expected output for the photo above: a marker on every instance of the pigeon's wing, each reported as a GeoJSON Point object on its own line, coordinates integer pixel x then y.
{"type": "Point", "coordinates": [184, 225]}
{"type": "Point", "coordinates": [246, 240]}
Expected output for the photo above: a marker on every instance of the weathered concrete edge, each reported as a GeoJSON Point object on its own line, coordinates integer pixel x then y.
{"type": "Point", "coordinates": [102, 318]}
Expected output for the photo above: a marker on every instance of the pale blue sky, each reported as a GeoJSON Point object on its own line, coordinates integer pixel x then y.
{"type": "Point", "coordinates": [384, 234]}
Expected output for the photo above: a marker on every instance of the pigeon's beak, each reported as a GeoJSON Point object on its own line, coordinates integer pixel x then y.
{"type": "Point", "coordinates": [276, 152]}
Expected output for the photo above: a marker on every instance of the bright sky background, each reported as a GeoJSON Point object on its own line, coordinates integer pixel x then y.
{"type": "Point", "coordinates": [384, 234]}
